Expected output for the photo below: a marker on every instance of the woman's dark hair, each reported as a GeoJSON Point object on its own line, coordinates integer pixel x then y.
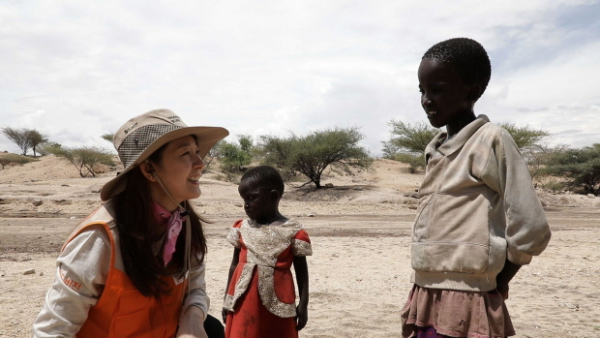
{"type": "Point", "coordinates": [468, 58]}
{"type": "Point", "coordinates": [267, 177]}
{"type": "Point", "coordinates": [139, 231]}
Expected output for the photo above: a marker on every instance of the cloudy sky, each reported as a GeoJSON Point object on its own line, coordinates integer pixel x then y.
{"type": "Point", "coordinates": [75, 70]}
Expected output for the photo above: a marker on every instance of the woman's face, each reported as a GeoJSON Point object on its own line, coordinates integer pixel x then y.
{"type": "Point", "coordinates": [179, 169]}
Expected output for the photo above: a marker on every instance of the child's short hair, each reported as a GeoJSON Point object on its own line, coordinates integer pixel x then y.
{"type": "Point", "coordinates": [266, 176]}
{"type": "Point", "coordinates": [468, 57]}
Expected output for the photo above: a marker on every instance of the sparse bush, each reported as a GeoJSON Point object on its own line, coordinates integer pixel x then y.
{"type": "Point", "coordinates": [415, 162]}
{"type": "Point", "coordinates": [528, 142]}
{"type": "Point", "coordinates": [235, 158]}
{"type": "Point", "coordinates": [7, 159]}
{"type": "Point", "coordinates": [410, 137]}
{"type": "Point", "coordinates": [524, 136]}
{"type": "Point", "coordinates": [408, 143]}
{"type": "Point", "coordinates": [220, 177]}
{"type": "Point", "coordinates": [85, 159]}
{"type": "Point", "coordinates": [213, 153]}
{"type": "Point", "coordinates": [553, 186]}
{"type": "Point", "coordinates": [581, 167]}
{"type": "Point", "coordinates": [44, 148]}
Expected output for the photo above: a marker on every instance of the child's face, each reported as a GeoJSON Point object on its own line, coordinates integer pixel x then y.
{"type": "Point", "coordinates": [444, 95]}
{"type": "Point", "coordinates": [260, 203]}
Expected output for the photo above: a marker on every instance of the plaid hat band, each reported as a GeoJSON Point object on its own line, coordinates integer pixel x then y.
{"type": "Point", "coordinates": [133, 145]}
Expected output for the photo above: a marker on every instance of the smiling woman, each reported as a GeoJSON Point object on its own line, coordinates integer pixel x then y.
{"type": "Point", "coordinates": [178, 166]}
{"type": "Point", "coordinates": [136, 265]}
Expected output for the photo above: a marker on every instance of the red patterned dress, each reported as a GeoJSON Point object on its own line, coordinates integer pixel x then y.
{"type": "Point", "coordinates": [261, 297]}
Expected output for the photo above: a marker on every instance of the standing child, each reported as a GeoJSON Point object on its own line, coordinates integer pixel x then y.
{"type": "Point", "coordinates": [260, 298]}
{"type": "Point", "coordinates": [479, 219]}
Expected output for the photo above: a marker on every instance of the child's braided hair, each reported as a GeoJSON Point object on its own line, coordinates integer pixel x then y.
{"type": "Point", "coordinates": [467, 56]}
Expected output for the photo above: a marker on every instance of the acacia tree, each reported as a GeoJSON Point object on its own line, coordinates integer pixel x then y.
{"type": "Point", "coordinates": [108, 137]}
{"type": "Point", "coordinates": [277, 152]}
{"type": "Point", "coordinates": [35, 139]}
{"type": "Point", "coordinates": [408, 143]}
{"type": "Point", "coordinates": [310, 155]}
{"type": "Point", "coordinates": [19, 137]}
{"type": "Point", "coordinates": [580, 166]}
{"type": "Point", "coordinates": [528, 141]}
{"type": "Point", "coordinates": [212, 154]}
{"type": "Point", "coordinates": [84, 158]}
{"type": "Point", "coordinates": [524, 136]}
{"type": "Point", "coordinates": [25, 138]}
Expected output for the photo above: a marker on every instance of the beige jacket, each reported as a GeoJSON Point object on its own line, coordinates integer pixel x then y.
{"type": "Point", "coordinates": [477, 207]}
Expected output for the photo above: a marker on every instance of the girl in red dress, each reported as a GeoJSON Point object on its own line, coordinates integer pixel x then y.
{"type": "Point", "coordinates": [260, 299]}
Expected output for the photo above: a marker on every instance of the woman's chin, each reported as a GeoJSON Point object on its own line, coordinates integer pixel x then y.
{"type": "Point", "coordinates": [192, 195]}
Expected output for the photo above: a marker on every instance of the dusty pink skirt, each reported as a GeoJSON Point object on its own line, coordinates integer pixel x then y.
{"type": "Point", "coordinates": [456, 313]}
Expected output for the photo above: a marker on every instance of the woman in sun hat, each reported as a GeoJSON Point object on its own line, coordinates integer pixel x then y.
{"type": "Point", "coordinates": [135, 266]}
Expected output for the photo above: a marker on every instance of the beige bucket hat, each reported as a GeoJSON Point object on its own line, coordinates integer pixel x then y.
{"type": "Point", "coordinates": [144, 134]}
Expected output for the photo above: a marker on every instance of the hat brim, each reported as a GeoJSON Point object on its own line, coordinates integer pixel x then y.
{"type": "Point", "coordinates": [207, 137]}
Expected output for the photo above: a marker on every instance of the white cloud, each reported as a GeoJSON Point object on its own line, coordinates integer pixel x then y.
{"type": "Point", "coordinates": [278, 67]}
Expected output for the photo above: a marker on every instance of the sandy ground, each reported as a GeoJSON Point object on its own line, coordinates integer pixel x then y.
{"type": "Point", "coordinates": [359, 273]}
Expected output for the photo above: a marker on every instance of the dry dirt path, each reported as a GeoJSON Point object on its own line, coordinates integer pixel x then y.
{"type": "Point", "coordinates": [359, 274]}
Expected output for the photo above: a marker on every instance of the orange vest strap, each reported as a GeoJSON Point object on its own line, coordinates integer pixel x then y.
{"type": "Point", "coordinates": [122, 311]}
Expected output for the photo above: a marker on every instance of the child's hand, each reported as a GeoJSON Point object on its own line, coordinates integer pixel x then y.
{"type": "Point", "coordinates": [301, 317]}
{"type": "Point", "coordinates": [509, 270]}
{"type": "Point", "coordinates": [503, 289]}
{"type": "Point", "coordinates": [224, 314]}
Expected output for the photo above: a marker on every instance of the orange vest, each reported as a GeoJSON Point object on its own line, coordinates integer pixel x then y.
{"type": "Point", "coordinates": [122, 311]}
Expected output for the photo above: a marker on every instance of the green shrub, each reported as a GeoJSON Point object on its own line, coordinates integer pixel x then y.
{"type": "Point", "coordinates": [553, 186]}
{"type": "Point", "coordinates": [581, 168]}
{"type": "Point", "coordinates": [8, 159]}
{"type": "Point", "coordinates": [85, 159]}
{"type": "Point", "coordinates": [415, 162]}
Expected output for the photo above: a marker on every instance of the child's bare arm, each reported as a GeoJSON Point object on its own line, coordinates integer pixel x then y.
{"type": "Point", "coordinates": [234, 262]}
{"type": "Point", "coordinates": [301, 269]}
{"type": "Point", "coordinates": [505, 276]}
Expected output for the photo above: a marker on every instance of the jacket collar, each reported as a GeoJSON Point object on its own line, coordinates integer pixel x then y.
{"type": "Point", "coordinates": [454, 144]}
